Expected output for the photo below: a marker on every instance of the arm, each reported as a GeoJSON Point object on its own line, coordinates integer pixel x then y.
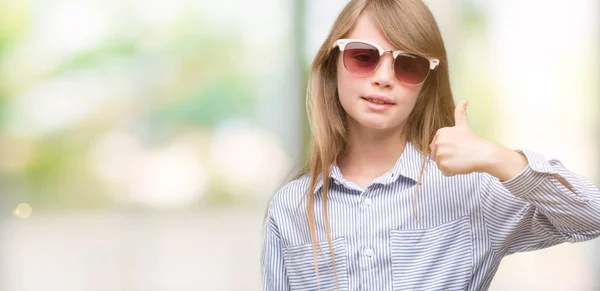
{"type": "Point", "coordinates": [530, 203]}
{"type": "Point", "coordinates": [272, 265]}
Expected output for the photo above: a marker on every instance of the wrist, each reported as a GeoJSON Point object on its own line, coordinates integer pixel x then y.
{"type": "Point", "coordinates": [504, 163]}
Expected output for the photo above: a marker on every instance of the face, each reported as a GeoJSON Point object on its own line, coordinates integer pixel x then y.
{"type": "Point", "coordinates": [361, 95]}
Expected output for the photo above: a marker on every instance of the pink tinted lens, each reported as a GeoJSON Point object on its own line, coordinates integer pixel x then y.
{"type": "Point", "coordinates": [411, 69]}
{"type": "Point", "coordinates": [360, 58]}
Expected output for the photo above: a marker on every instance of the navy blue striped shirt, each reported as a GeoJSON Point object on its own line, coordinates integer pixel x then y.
{"type": "Point", "coordinates": [467, 224]}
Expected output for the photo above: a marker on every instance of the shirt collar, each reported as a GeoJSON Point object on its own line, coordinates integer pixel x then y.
{"type": "Point", "coordinates": [408, 165]}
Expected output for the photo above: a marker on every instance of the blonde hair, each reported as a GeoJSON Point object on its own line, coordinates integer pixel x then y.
{"type": "Point", "coordinates": [409, 26]}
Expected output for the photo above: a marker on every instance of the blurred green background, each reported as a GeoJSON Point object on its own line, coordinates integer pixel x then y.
{"type": "Point", "coordinates": [140, 141]}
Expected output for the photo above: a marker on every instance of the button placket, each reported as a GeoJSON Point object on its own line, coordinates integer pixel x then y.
{"type": "Point", "coordinates": [366, 251]}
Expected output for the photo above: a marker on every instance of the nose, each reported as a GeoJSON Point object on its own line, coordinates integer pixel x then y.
{"type": "Point", "coordinates": [384, 74]}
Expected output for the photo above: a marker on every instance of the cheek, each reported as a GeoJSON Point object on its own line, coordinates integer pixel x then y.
{"type": "Point", "coordinates": [345, 85]}
{"type": "Point", "coordinates": [410, 94]}
{"type": "Point", "coordinates": [408, 101]}
{"type": "Point", "coordinates": [350, 86]}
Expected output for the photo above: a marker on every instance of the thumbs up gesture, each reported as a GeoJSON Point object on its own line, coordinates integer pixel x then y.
{"type": "Point", "coordinates": [457, 149]}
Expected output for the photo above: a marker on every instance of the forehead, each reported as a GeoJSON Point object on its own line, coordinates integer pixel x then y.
{"type": "Point", "coordinates": [367, 29]}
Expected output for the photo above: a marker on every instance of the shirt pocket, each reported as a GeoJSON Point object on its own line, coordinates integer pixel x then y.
{"type": "Point", "coordinates": [437, 258]}
{"type": "Point", "coordinates": [300, 266]}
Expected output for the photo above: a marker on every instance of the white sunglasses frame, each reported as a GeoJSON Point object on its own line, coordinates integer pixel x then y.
{"type": "Point", "coordinates": [341, 43]}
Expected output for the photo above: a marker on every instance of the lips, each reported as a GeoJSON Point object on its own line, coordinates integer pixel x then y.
{"type": "Point", "coordinates": [379, 99]}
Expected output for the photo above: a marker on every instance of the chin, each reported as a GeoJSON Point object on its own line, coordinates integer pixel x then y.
{"type": "Point", "coordinates": [377, 124]}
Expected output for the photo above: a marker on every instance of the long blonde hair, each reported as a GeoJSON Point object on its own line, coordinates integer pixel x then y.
{"type": "Point", "coordinates": [409, 26]}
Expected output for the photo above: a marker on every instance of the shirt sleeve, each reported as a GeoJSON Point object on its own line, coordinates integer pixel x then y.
{"type": "Point", "coordinates": [535, 209]}
{"type": "Point", "coordinates": [273, 270]}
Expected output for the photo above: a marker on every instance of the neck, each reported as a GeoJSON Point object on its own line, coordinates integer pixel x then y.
{"type": "Point", "coordinates": [371, 153]}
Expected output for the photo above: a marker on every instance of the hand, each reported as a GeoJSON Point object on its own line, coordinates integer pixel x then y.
{"type": "Point", "coordinates": [458, 150]}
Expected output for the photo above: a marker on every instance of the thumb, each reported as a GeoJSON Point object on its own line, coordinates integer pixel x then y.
{"type": "Point", "coordinates": [460, 113]}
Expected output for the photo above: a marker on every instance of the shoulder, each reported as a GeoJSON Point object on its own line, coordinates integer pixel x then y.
{"type": "Point", "coordinates": [290, 195]}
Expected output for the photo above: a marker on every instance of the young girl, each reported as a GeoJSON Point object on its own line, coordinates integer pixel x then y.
{"type": "Point", "coordinates": [399, 192]}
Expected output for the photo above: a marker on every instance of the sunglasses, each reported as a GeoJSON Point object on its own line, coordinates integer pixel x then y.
{"type": "Point", "coordinates": [362, 57]}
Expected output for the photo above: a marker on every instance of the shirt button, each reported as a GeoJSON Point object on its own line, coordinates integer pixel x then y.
{"type": "Point", "coordinates": [369, 252]}
{"type": "Point", "coordinates": [368, 201]}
